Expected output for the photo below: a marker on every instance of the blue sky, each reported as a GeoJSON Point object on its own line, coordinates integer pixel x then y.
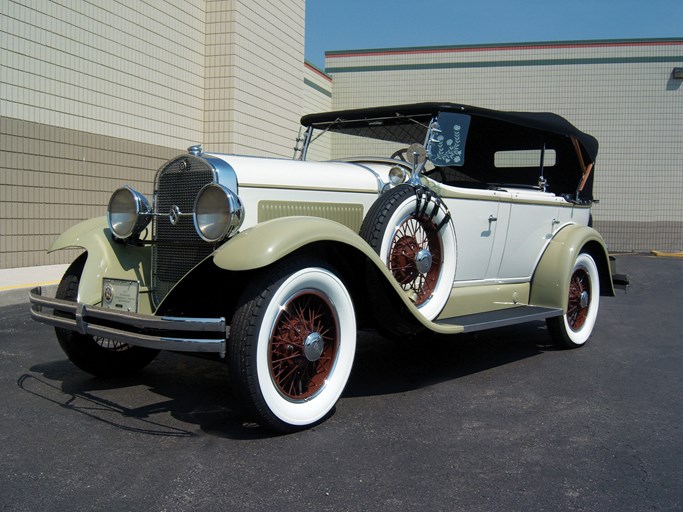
{"type": "Point", "coordinates": [354, 24]}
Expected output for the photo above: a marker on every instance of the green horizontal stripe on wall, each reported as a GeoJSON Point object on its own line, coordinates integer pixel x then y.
{"type": "Point", "coordinates": [507, 64]}
{"type": "Point", "coordinates": [317, 88]}
{"type": "Point", "coordinates": [588, 43]}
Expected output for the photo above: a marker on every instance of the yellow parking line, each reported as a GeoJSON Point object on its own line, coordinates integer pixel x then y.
{"type": "Point", "coordinates": [665, 254]}
{"type": "Point", "coordinates": [26, 285]}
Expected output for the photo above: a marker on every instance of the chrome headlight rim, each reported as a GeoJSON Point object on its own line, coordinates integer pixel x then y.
{"type": "Point", "coordinates": [397, 175]}
{"type": "Point", "coordinates": [218, 213]}
{"type": "Point", "coordinates": [128, 213]}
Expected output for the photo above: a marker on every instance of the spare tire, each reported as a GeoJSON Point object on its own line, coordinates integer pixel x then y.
{"type": "Point", "coordinates": [411, 230]}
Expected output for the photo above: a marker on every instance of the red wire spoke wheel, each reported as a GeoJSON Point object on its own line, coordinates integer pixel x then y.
{"type": "Point", "coordinates": [303, 346]}
{"type": "Point", "coordinates": [292, 343]}
{"type": "Point", "coordinates": [102, 357]}
{"type": "Point", "coordinates": [579, 299]}
{"type": "Point", "coordinates": [415, 258]}
{"type": "Point", "coordinates": [412, 232]}
{"type": "Point", "coordinates": [573, 329]}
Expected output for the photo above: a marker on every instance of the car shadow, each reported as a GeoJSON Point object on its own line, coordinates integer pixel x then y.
{"type": "Point", "coordinates": [181, 396]}
{"type": "Point", "coordinates": [385, 366]}
{"type": "Point", "coordinates": [175, 396]}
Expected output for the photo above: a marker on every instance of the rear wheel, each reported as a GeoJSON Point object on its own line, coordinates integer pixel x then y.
{"type": "Point", "coordinates": [292, 344]}
{"type": "Point", "coordinates": [573, 329]}
{"type": "Point", "coordinates": [102, 357]}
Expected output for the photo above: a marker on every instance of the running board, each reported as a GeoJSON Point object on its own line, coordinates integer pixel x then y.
{"type": "Point", "coordinates": [501, 318]}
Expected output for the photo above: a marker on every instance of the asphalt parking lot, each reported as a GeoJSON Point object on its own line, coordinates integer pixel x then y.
{"type": "Point", "coordinates": [496, 421]}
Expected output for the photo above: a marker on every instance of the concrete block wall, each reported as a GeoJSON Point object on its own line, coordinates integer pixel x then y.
{"type": "Point", "coordinates": [253, 86]}
{"type": "Point", "coordinates": [317, 97]}
{"type": "Point", "coordinates": [97, 94]}
{"type": "Point", "coordinates": [122, 70]}
{"type": "Point", "coordinates": [52, 178]}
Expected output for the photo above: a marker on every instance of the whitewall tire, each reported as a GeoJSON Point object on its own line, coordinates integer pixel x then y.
{"type": "Point", "coordinates": [411, 231]}
{"type": "Point", "coordinates": [293, 342]}
{"type": "Point", "coordinates": [573, 329]}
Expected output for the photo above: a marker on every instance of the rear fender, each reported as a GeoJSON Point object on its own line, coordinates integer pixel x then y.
{"type": "Point", "coordinates": [550, 282]}
{"type": "Point", "coordinates": [106, 258]}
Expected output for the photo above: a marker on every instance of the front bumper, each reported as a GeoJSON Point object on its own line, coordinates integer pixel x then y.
{"type": "Point", "coordinates": [181, 334]}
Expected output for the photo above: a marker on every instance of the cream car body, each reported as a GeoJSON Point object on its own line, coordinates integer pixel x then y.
{"type": "Point", "coordinates": [272, 264]}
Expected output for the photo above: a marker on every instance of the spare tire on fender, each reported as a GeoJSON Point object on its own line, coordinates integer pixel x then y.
{"type": "Point", "coordinates": [411, 230]}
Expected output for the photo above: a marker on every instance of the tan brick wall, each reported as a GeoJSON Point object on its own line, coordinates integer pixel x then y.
{"type": "Point", "coordinates": [126, 70]}
{"type": "Point", "coordinates": [253, 75]}
{"type": "Point", "coordinates": [317, 97]}
{"type": "Point", "coordinates": [97, 94]}
{"type": "Point", "coordinates": [51, 178]}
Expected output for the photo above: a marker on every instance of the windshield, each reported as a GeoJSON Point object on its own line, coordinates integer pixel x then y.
{"type": "Point", "coordinates": [446, 145]}
{"type": "Point", "coordinates": [381, 136]}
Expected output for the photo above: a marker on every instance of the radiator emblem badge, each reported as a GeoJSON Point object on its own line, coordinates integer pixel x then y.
{"type": "Point", "coordinates": [174, 215]}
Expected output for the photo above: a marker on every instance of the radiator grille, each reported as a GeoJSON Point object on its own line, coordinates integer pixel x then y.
{"type": "Point", "coordinates": [178, 247]}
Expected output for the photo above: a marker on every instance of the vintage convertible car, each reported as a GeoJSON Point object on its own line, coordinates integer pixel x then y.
{"type": "Point", "coordinates": [468, 219]}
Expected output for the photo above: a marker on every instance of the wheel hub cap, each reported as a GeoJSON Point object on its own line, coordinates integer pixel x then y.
{"type": "Point", "coordinates": [579, 300]}
{"type": "Point", "coordinates": [584, 299]}
{"type": "Point", "coordinates": [313, 346]}
{"type": "Point", "coordinates": [414, 258]}
{"type": "Point", "coordinates": [423, 261]}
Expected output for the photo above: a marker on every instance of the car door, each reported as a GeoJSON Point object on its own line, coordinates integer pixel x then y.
{"type": "Point", "coordinates": [475, 218]}
{"type": "Point", "coordinates": [533, 218]}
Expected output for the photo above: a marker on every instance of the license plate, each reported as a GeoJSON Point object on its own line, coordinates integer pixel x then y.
{"type": "Point", "coordinates": [120, 294]}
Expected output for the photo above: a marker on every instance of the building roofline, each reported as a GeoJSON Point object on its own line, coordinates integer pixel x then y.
{"type": "Point", "coordinates": [593, 43]}
{"type": "Point", "coordinates": [317, 70]}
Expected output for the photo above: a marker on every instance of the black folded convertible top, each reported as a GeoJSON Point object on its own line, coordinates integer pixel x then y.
{"type": "Point", "coordinates": [546, 121]}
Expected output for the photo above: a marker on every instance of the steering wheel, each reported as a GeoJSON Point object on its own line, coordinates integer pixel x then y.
{"type": "Point", "coordinates": [400, 155]}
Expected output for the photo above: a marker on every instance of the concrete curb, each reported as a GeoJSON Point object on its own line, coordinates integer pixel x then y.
{"type": "Point", "coordinates": [16, 283]}
{"type": "Point", "coordinates": [15, 296]}
{"type": "Point", "coordinates": [664, 254]}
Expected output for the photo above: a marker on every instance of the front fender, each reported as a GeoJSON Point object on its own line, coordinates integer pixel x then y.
{"type": "Point", "coordinates": [106, 258]}
{"type": "Point", "coordinates": [270, 241]}
{"type": "Point", "coordinates": [550, 282]}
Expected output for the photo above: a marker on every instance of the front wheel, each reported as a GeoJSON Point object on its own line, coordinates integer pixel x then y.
{"type": "Point", "coordinates": [573, 329]}
{"type": "Point", "coordinates": [292, 344]}
{"type": "Point", "coordinates": [102, 357]}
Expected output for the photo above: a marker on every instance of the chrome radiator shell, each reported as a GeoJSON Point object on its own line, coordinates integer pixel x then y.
{"type": "Point", "coordinates": [177, 246]}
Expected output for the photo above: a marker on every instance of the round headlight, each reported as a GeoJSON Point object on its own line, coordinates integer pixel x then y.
{"type": "Point", "coordinates": [218, 212]}
{"type": "Point", "coordinates": [128, 212]}
{"type": "Point", "coordinates": [397, 175]}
